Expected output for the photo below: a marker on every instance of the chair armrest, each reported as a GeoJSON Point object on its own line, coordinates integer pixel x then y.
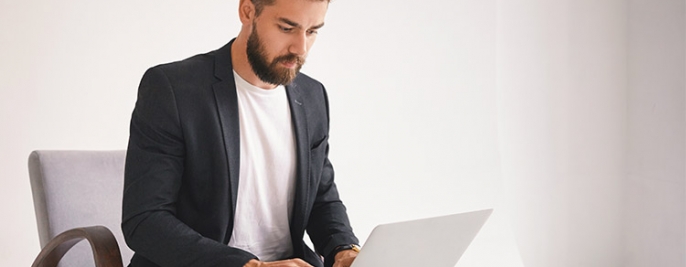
{"type": "Point", "coordinates": [105, 248]}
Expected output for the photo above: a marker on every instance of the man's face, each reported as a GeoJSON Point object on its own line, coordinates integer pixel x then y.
{"type": "Point", "coordinates": [281, 36]}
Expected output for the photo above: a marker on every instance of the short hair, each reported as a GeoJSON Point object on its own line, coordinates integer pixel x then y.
{"type": "Point", "coordinates": [260, 4]}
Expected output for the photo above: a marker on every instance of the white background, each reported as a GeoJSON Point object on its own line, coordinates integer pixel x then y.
{"type": "Point", "coordinates": [567, 116]}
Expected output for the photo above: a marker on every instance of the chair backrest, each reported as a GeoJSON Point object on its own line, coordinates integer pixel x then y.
{"type": "Point", "coordinates": [77, 189]}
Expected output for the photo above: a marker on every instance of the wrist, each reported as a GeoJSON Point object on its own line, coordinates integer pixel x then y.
{"type": "Point", "coordinates": [252, 263]}
{"type": "Point", "coordinates": [343, 254]}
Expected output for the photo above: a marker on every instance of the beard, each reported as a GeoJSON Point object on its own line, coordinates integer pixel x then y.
{"type": "Point", "coordinates": [271, 72]}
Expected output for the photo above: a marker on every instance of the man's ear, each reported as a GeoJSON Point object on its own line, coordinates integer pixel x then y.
{"type": "Point", "coordinates": [246, 11]}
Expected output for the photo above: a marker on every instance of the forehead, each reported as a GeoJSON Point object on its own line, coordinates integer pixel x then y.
{"type": "Point", "coordinates": [304, 12]}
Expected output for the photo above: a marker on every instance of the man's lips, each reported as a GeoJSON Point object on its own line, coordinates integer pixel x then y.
{"type": "Point", "coordinates": [290, 61]}
{"type": "Point", "coordinates": [289, 64]}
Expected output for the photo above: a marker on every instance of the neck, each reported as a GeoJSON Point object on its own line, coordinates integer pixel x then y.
{"type": "Point", "coordinates": [239, 60]}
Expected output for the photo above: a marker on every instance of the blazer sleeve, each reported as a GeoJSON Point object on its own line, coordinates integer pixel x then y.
{"type": "Point", "coordinates": [328, 225]}
{"type": "Point", "coordinates": [153, 176]}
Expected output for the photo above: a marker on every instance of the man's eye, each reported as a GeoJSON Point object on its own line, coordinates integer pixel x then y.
{"type": "Point", "coordinates": [312, 32]}
{"type": "Point", "coordinates": [285, 29]}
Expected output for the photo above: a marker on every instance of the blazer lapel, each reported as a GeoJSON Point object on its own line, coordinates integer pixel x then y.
{"type": "Point", "coordinates": [227, 108]}
{"type": "Point", "coordinates": [302, 188]}
{"type": "Point", "coordinates": [225, 94]}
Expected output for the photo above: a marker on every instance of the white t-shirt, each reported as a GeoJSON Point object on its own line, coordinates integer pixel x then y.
{"type": "Point", "coordinates": [267, 172]}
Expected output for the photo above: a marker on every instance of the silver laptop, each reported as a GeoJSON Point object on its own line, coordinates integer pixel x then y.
{"type": "Point", "coordinates": [436, 242]}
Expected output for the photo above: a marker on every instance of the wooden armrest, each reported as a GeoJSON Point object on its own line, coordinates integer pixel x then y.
{"type": "Point", "coordinates": [104, 245]}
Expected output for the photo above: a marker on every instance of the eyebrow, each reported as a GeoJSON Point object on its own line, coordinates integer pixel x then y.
{"type": "Point", "coordinates": [295, 24]}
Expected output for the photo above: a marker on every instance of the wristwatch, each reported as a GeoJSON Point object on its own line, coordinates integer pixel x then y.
{"type": "Point", "coordinates": [353, 247]}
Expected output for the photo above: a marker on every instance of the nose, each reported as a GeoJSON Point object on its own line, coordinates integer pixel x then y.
{"type": "Point", "coordinates": [299, 44]}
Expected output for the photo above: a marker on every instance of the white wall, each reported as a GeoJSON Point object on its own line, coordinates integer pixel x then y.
{"type": "Point", "coordinates": [567, 116]}
{"type": "Point", "coordinates": [591, 125]}
{"type": "Point", "coordinates": [562, 116]}
{"type": "Point", "coordinates": [655, 198]}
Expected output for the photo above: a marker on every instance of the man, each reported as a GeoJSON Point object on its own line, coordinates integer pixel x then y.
{"type": "Point", "coordinates": [227, 159]}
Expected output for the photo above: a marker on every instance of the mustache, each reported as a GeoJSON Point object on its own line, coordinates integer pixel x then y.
{"type": "Point", "coordinates": [290, 58]}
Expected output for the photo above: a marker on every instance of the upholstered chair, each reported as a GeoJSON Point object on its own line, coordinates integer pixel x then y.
{"type": "Point", "coordinates": [77, 197]}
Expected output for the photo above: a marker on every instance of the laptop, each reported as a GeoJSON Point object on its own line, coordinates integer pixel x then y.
{"type": "Point", "coordinates": [436, 242]}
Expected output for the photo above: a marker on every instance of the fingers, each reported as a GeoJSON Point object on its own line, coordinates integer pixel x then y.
{"type": "Point", "coordinates": [286, 263]}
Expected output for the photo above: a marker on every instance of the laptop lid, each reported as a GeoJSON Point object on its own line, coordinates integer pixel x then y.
{"type": "Point", "coordinates": [436, 242]}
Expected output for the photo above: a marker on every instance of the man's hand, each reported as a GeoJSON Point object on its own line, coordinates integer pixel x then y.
{"type": "Point", "coordinates": [344, 258]}
{"type": "Point", "coordinates": [283, 263]}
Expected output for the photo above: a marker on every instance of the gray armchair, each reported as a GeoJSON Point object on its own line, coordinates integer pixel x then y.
{"type": "Point", "coordinates": [77, 195]}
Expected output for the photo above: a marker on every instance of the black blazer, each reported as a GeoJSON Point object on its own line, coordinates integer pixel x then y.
{"type": "Point", "coordinates": [181, 176]}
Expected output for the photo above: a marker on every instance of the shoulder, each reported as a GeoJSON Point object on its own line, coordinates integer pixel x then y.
{"type": "Point", "coordinates": [309, 87]}
{"type": "Point", "coordinates": [196, 67]}
{"type": "Point", "coordinates": [191, 76]}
